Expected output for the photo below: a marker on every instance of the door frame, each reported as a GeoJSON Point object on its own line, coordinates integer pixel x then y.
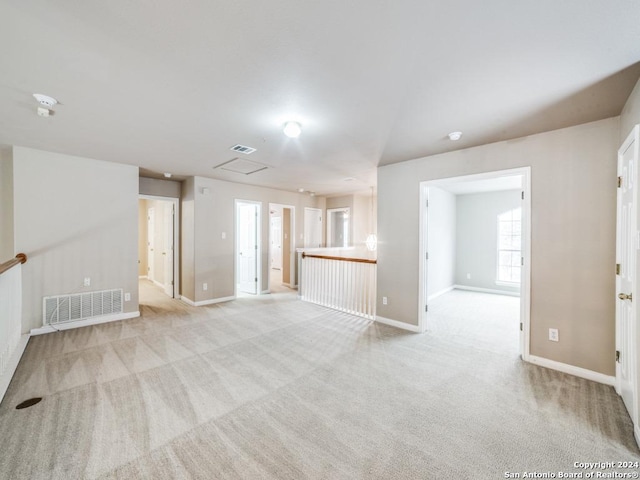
{"type": "Point", "coordinates": [525, 284]}
{"type": "Point", "coordinates": [329, 243]}
{"type": "Point", "coordinates": [258, 204]}
{"type": "Point", "coordinates": [292, 246]}
{"type": "Point", "coordinates": [176, 237]}
{"type": "Point", "coordinates": [634, 136]}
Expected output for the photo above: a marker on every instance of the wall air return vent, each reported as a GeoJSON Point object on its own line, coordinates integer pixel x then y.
{"type": "Point", "coordinates": [243, 149]}
{"type": "Point", "coordinates": [238, 165]}
{"type": "Point", "coordinates": [80, 306]}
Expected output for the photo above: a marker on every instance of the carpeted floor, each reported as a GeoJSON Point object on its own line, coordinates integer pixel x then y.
{"type": "Point", "coordinates": [271, 387]}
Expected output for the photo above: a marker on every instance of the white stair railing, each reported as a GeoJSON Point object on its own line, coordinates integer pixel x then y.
{"type": "Point", "coordinates": [341, 283]}
{"type": "Point", "coordinates": [11, 339]}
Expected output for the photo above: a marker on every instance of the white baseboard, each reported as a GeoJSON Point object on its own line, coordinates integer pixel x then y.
{"type": "Point", "coordinates": [188, 301]}
{"type": "Point", "coordinates": [5, 378]}
{"type": "Point", "coordinates": [158, 284]}
{"type": "Point", "coordinates": [264, 292]}
{"type": "Point", "coordinates": [85, 323]}
{"type": "Point", "coordinates": [487, 290]}
{"type": "Point", "coordinates": [397, 324]}
{"type": "Point", "coordinates": [572, 370]}
{"type": "Point", "coordinates": [440, 292]}
{"type": "Point", "coordinates": [143, 277]}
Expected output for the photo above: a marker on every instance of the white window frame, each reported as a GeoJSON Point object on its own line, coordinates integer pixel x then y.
{"type": "Point", "coordinates": [499, 281]}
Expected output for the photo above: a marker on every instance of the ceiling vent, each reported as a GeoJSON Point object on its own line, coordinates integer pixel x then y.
{"type": "Point", "coordinates": [238, 165]}
{"type": "Point", "coordinates": [243, 149]}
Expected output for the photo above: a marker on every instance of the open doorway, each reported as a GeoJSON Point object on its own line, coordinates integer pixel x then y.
{"type": "Point", "coordinates": [281, 248]}
{"type": "Point", "coordinates": [158, 252]}
{"type": "Point", "coordinates": [247, 251]}
{"type": "Point", "coordinates": [475, 259]}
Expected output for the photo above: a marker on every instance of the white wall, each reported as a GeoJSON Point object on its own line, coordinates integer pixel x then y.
{"type": "Point", "coordinates": [573, 173]}
{"type": "Point", "coordinates": [477, 227]}
{"type": "Point", "coordinates": [441, 241]}
{"type": "Point", "coordinates": [6, 205]}
{"type": "Point", "coordinates": [75, 218]}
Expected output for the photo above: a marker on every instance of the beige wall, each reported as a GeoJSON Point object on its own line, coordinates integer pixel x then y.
{"type": "Point", "coordinates": [573, 197]}
{"type": "Point", "coordinates": [159, 187]}
{"type": "Point", "coordinates": [6, 204]}
{"type": "Point", "coordinates": [206, 256]}
{"type": "Point", "coordinates": [142, 238]}
{"type": "Point", "coordinates": [75, 218]}
{"type": "Point", "coordinates": [630, 115]}
{"type": "Point", "coordinates": [187, 239]}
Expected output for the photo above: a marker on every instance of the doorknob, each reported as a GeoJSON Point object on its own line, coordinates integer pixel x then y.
{"type": "Point", "coordinates": [624, 296]}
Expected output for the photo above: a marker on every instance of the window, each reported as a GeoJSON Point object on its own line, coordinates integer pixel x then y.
{"type": "Point", "coordinates": [509, 246]}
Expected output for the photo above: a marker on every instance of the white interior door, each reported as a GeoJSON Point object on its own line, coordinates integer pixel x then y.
{"type": "Point", "coordinates": [626, 257]}
{"type": "Point", "coordinates": [151, 229]}
{"type": "Point", "coordinates": [167, 251]}
{"type": "Point", "coordinates": [247, 247]}
{"type": "Point", "coordinates": [276, 242]}
{"type": "Point", "coordinates": [312, 227]}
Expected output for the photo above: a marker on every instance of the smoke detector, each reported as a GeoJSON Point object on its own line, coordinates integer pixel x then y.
{"type": "Point", "coordinates": [45, 100]}
{"type": "Point", "coordinates": [454, 136]}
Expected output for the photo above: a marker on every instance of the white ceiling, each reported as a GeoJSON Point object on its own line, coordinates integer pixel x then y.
{"type": "Point", "coordinates": [171, 86]}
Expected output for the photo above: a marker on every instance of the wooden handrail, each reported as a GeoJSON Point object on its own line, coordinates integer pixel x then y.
{"type": "Point", "coordinates": [20, 258]}
{"type": "Point", "coordinates": [341, 259]}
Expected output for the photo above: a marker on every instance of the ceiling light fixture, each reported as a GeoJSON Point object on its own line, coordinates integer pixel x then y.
{"type": "Point", "coordinates": [455, 136]}
{"type": "Point", "coordinates": [45, 100]}
{"type": "Point", "coordinates": [167, 175]}
{"type": "Point", "coordinates": [301, 190]}
{"type": "Point", "coordinates": [292, 129]}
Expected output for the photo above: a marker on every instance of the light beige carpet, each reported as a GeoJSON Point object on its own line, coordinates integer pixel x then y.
{"type": "Point", "coordinates": [270, 387]}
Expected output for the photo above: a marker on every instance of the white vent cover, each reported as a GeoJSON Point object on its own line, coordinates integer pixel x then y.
{"type": "Point", "coordinates": [243, 149]}
{"type": "Point", "coordinates": [80, 306]}
{"type": "Point", "coordinates": [238, 165]}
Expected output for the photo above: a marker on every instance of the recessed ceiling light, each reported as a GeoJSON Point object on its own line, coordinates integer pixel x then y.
{"type": "Point", "coordinates": [312, 194]}
{"type": "Point", "coordinates": [45, 100]}
{"type": "Point", "coordinates": [301, 190]}
{"type": "Point", "coordinates": [167, 175]}
{"type": "Point", "coordinates": [454, 136]}
{"type": "Point", "coordinates": [292, 129]}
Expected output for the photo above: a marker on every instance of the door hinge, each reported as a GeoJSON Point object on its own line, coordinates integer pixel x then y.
{"type": "Point", "coordinates": [521, 326]}
{"type": "Point", "coordinates": [427, 204]}
{"type": "Point", "coordinates": [427, 255]}
{"type": "Point", "coordinates": [256, 279]}
{"type": "Point", "coordinates": [617, 356]}
{"type": "Point", "coordinates": [619, 182]}
{"type": "Point", "coordinates": [617, 269]}
{"type": "Point", "coordinates": [522, 195]}
{"type": "Point", "coordinates": [426, 308]}
{"type": "Point", "coordinates": [522, 261]}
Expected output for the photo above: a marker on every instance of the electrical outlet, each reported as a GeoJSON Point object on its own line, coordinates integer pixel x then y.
{"type": "Point", "coordinates": [384, 300]}
{"type": "Point", "coordinates": [205, 286]}
{"type": "Point", "coordinates": [553, 334]}
{"type": "Point", "coordinates": [468, 276]}
{"type": "Point", "coordinates": [87, 282]}
{"type": "Point", "coordinates": [127, 297]}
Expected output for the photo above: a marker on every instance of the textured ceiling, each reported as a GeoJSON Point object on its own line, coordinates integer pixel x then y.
{"type": "Point", "coordinates": [171, 86]}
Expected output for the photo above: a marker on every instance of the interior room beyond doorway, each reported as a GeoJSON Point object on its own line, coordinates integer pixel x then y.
{"type": "Point", "coordinates": [475, 234]}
